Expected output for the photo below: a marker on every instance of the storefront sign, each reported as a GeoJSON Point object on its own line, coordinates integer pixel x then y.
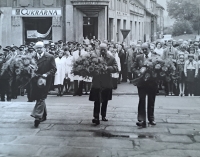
{"type": "Point", "coordinates": [31, 34]}
{"type": "Point", "coordinates": [35, 12]}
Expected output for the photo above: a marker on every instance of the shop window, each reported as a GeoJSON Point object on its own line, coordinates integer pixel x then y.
{"type": "Point", "coordinates": [35, 28]}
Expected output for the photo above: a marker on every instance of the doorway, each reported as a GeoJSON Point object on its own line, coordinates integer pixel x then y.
{"type": "Point", "coordinates": [34, 25]}
{"type": "Point", "coordinates": [90, 27]}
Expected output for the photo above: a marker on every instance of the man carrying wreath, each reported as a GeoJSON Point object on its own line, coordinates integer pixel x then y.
{"type": "Point", "coordinates": [148, 88]}
{"type": "Point", "coordinates": [41, 83]}
{"type": "Point", "coordinates": [101, 91]}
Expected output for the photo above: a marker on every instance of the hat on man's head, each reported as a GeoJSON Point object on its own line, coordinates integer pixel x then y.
{"type": "Point", "coordinates": [21, 48]}
{"type": "Point", "coordinates": [6, 49]}
{"type": "Point", "coordinates": [39, 44]}
{"type": "Point", "coordinates": [79, 44]}
{"type": "Point", "coordinates": [12, 49]}
{"type": "Point", "coordinates": [60, 42]}
{"type": "Point", "coordinates": [31, 49]}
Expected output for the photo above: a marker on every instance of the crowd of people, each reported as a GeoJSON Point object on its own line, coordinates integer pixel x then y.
{"type": "Point", "coordinates": [184, 54]}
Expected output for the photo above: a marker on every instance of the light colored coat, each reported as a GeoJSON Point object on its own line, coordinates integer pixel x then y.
{"type": "Point", "coordinates": [61, 70]}
{"type": "Point", "coordinates": [69, 62]}
{"type": "Point", "coordinates": [116, 75]}
{"type": "Point", "coordinates": [130, 57]}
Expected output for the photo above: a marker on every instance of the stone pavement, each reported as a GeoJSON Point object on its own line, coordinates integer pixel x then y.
{"type": "Point", "coordinates": [68, 131]}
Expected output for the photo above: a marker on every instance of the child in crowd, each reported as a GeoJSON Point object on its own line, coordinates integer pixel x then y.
{"type": "Point", "coordinates": [191, 71]}
{"type": "Point", "coordinates": [171, 83]}
{"type": "Point", "coordinates": [180, 71]}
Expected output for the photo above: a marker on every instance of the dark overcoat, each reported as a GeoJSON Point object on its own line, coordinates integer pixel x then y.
{"type": "Point", "coordinates": [46, 65]}
{"type": "Point", "coordinates": [102, 84]}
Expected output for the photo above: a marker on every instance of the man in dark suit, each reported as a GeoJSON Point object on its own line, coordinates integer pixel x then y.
{"type": "Point", "coordinates": [101, 90]}
{"type": "Point", "coordinates": [46, 68]}
{"type": "Point", "coordinates": [148, 88]}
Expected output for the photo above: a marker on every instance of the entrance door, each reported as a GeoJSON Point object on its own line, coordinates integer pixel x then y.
{"type": "Point", "coordinates": [40, 25]}
{"type": "Point", "coordinates": [90, 27]}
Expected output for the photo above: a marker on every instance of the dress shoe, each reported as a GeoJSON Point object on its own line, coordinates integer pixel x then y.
{"type": "Point", "coordinates": [104, 119]}
{"type": "Point", "coordinates": [96, 121]}
{"type": "Point", "coordinates": [152, 123]}
{"type": "Point", "coordinates": [43, 119]}
{"type": "Point", "coordinates": [141, 124]}
{"type": "Point", "coordinates": [36, 123]}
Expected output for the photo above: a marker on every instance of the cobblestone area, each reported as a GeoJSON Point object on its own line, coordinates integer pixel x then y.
{"type": "Point", "coordinates": [68, 131]}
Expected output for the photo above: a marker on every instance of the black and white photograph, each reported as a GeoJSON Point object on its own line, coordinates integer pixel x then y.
{"type": "Point", "coordinates": [99, 78]}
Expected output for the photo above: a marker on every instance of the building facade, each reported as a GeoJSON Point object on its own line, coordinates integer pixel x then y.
{"type": "Point", "coordinates": [160, 20]}
{"type": "Point", "coordinates": [24, 21]}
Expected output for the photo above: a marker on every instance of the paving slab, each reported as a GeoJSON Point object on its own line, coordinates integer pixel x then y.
{"type": "Point", "coordinates": [75, 152]}
{"type": "Point", "coordinates": [42, 140]}
{"type": "Point", "coordinates": [18, 150]}
{"type": "Point", "coordinates": [184, 131]}
{"type": "Point", "coordinates": [174, 139]}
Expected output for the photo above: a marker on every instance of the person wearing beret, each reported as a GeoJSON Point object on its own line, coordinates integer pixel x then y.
{"type": "Point", "coordinates": [41, 82]}
{"type": "Point", "coordinates": [101, 91]}
{"type": "Point", "coordinates": [148, 88]}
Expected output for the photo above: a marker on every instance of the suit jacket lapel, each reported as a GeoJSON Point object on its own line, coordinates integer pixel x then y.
{"type": "Point", "coordinates": [44, 57]}
{"type": "Point", "coordinates": [141, 61]}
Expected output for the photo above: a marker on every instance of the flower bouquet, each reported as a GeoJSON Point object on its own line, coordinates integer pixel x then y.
{"type": "Point", "coordinates": [89, 65]}
{"type": "Point", "coordinates": [20, 67]}
{"type": "Point", "coordinates": [156, 69]}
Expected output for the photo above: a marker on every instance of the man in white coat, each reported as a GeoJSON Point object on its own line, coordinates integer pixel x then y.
{"type": "Point", "coordinates": [78, 80]}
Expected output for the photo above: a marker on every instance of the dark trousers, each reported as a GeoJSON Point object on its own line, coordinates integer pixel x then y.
{"type": "Point", "coordinates": [114, 82]}
{"type": "Point", "coordinates": [5, 89]}
{"type": "Point", "coordinates": [130, 76]}
{"type": "Point", "coordinates": [78, 87]}
{"type": "Point", "coordinates": [40, 110]}
{"type": "Point", "coordinates": [150, 92]}
{"type": "Point", "coordinates": [124, 73]}
{"type": "Point", "coordinates": [190, 87]}
{"type": "Point", "coordinates": [97, 106]}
